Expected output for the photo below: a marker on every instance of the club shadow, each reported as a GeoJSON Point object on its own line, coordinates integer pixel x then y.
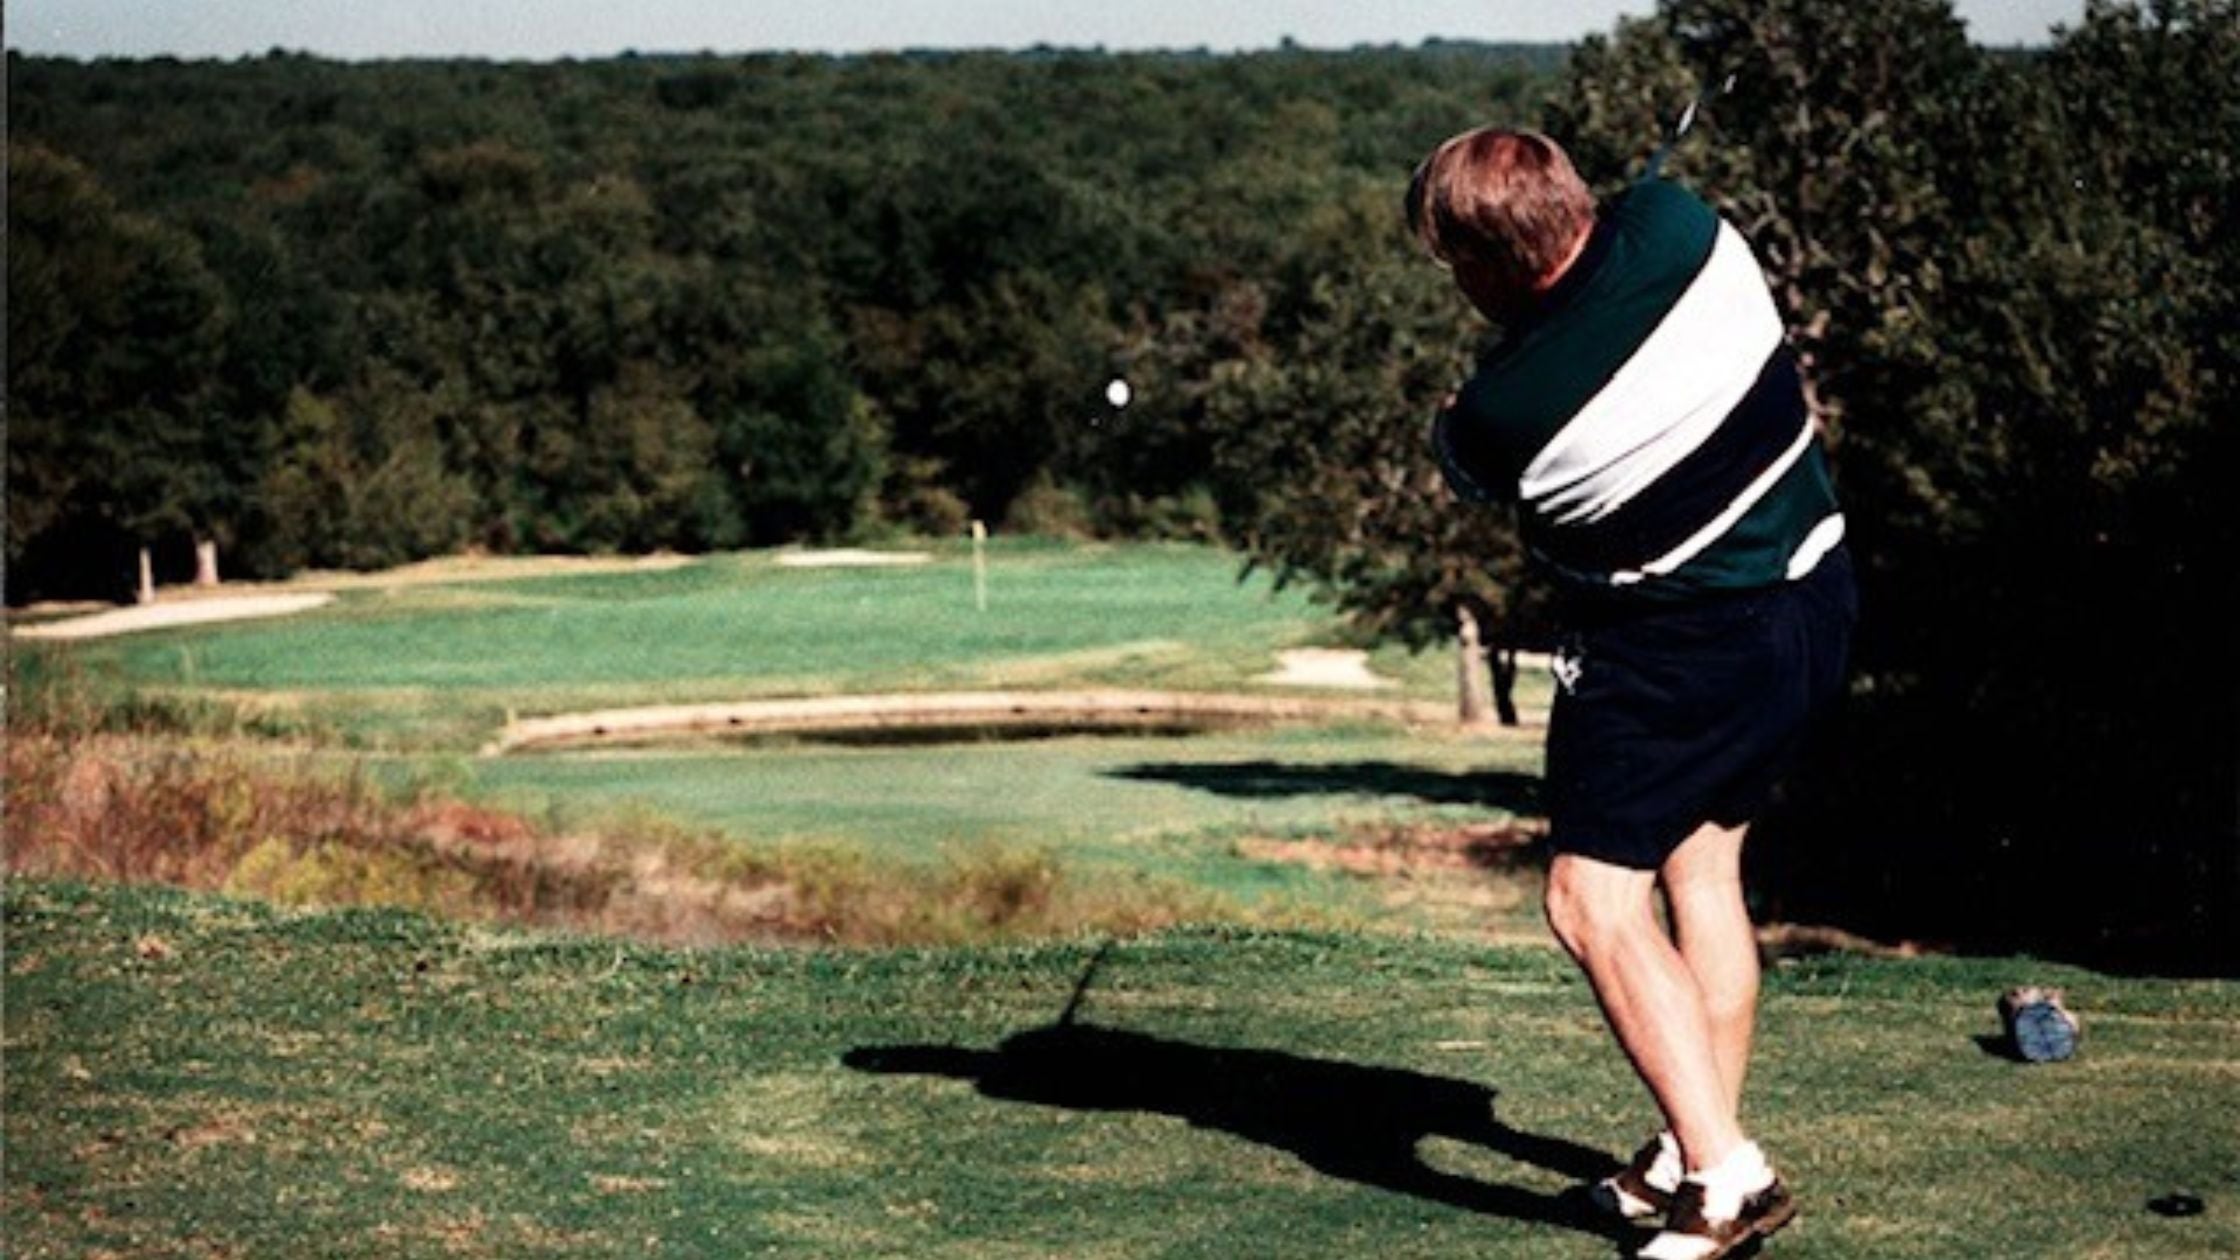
{"type": "Point", "coordinates": [1358, 1123]}
{"type": "Point", "coordinates": [1497, 789]}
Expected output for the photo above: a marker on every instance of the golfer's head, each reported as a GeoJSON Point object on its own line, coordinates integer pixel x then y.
{"type": "Point", "coordinates": [1504, 210]}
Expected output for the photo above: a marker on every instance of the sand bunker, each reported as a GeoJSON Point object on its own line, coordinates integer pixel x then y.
{"type": "Point", "coordinates": [163, 616]}
{"type": "Point", "coordinates": [974, 710]}
{"type": "Point", "coordinates": [1344, 668]}
{"type": "Point", "coordinates": [849, 558]}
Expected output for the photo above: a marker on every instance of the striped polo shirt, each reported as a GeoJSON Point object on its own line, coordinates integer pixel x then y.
{"type": "Point", "coordinates": [1647, 417]}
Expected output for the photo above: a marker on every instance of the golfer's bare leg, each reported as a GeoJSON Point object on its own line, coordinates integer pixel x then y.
{"type": "Point", "coordinates": [1703, 885]}
{"type": "Point", "coordinates": [1603, 914]}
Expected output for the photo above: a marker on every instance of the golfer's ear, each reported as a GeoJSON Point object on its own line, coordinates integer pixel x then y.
{"type": "Point", "coordinates": [1411, 202]}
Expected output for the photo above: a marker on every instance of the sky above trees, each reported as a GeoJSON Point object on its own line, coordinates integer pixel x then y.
{"type": "Point", "coordinates": [538, 29]}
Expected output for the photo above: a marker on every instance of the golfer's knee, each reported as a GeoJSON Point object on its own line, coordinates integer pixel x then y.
{"type": "Point", "coordinates": [1592, 906]}
{"type": "Point", "coordinates": [1711, 856]}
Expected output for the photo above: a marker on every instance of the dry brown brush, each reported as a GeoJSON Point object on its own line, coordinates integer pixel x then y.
{"type": "Point", "coordinates": [105, 785]}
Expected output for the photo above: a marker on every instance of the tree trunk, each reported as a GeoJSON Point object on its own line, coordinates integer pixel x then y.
{"type": "Point", "coordinates": [205, 562]}
{"type": "Point", "coordinates": [147, 592]}
{"type": "Point", "coordinates": [1505, 685]}
{"type": "Point", "coordinates": [1470, 668]}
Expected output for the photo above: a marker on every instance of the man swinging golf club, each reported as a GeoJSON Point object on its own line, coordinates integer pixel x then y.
{"type": "Point", "coordinates": [1645, 416]}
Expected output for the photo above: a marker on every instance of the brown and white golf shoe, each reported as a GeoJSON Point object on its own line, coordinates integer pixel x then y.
{"type": "Point", "coordinates": [1691, 1234]}
{"type": "Point", "coordinates": [1641, 1191]}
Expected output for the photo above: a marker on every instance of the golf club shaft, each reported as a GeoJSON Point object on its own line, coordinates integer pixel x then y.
{"type": "Point", "coordinates": [1680, 127]}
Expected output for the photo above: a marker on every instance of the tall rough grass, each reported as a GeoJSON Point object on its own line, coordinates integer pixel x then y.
{"type": "Point", "coordinates": [51, 693]}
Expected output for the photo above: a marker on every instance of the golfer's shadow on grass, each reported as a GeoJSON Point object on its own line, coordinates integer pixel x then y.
{"type": "Point", "coordinates": [1499, 789]}
{"type": "Point", "coordinates": [1359, 1123]}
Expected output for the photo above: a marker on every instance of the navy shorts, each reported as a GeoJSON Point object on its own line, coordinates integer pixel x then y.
{"type": "Point", "coordinates": [1669, 718]}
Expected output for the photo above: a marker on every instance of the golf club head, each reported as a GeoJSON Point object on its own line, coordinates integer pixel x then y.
{"type": "Point", "coordinates": [1681, 126]}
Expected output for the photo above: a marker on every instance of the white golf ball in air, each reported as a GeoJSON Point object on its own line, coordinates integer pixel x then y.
{"type": "Point", "coordinates": [1118, 393]}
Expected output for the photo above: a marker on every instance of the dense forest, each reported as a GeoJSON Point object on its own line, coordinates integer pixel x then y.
{"type": "Point", "coordinates": [332, 314]}
{"type": "Point", "coordinates": [355, 314]}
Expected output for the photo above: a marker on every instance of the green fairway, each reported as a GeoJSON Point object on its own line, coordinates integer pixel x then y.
{"type": "Point", "coordinates": [1076, 789]}
{"type": "Point", "coordinates": [191, 1076]}
{"type": "Point", "coordinates": [442, 665]}
{"type": "Point", "coordinates": [1174, 807]}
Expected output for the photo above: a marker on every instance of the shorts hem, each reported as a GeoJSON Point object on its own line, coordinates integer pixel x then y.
{"type": "Point", "coordinates": [1639, 855]}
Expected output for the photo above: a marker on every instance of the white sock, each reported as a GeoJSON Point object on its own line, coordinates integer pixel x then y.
{"type": "Point", "coordinates": [1727, 1183]}
{"type": "Point", "coordinates": [1665, 1174]}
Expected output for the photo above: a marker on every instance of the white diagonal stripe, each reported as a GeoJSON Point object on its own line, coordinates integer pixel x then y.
{"type": "Point", "coordinates": [1725, 520]}
{"type": "Point", "coordinates": [1668, 398]}
{"type": "Point", "coordinates": [1816, 546]}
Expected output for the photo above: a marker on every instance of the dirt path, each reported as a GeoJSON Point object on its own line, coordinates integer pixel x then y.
{"type": "Point", "coordinates": [193, 612]}
{"type": "Point", "coordinates": [1087, 710]}
{"type": "Point", "coordinates": [472, 568]}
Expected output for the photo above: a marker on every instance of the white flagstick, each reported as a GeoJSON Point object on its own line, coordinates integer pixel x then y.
{"type": "Point", "coordinates": [980, 566]}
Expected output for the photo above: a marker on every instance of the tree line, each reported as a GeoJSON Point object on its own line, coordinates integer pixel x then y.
{"type": "Point", "coordinates": [348, 315]}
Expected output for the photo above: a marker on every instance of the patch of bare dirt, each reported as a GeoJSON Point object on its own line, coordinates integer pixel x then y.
{"type": "Point", "coordinates": [217, 1131]}
{"type": "Point", "coordinates": [1401, 852]}
{"type": "Point", "coordinates": [431, 1180]}
{"type": "Point", "coordinates": [1792, 940]}
{"type": "Point", "coordinates": [1444, 874]}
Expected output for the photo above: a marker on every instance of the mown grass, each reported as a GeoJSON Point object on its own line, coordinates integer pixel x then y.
{"type": "Point", "coordinates": [189, 1075]}
{"type": "Point", "coordinates": [1097, 792]}
{"type": "Point", "coordinates": [1189, 811]}
{"type": "Point", "coordinates": [442, 665]}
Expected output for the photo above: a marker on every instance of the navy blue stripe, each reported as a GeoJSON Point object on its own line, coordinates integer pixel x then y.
{"type": "Point", "coordinates": [1759, 429]}
{"type": "Point", "coordinates": [1460, 466]}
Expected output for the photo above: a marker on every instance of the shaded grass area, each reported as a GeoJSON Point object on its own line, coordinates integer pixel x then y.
{"type": "Point", "coordinates": [1182, 810]}
{"type": "Point", "coordinates": [442, 665]}
{"type": "Point", "coordinates": [1107, 790]}
{"type": "Point", "coordinates": [191, 1075]}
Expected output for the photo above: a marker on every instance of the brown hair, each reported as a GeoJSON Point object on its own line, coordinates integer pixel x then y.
{"type": "Point", "coordinates": [1508, 200]}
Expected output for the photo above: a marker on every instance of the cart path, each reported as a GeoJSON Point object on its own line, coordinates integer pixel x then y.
{"type": "Point", "coordinates": [192, 612]}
